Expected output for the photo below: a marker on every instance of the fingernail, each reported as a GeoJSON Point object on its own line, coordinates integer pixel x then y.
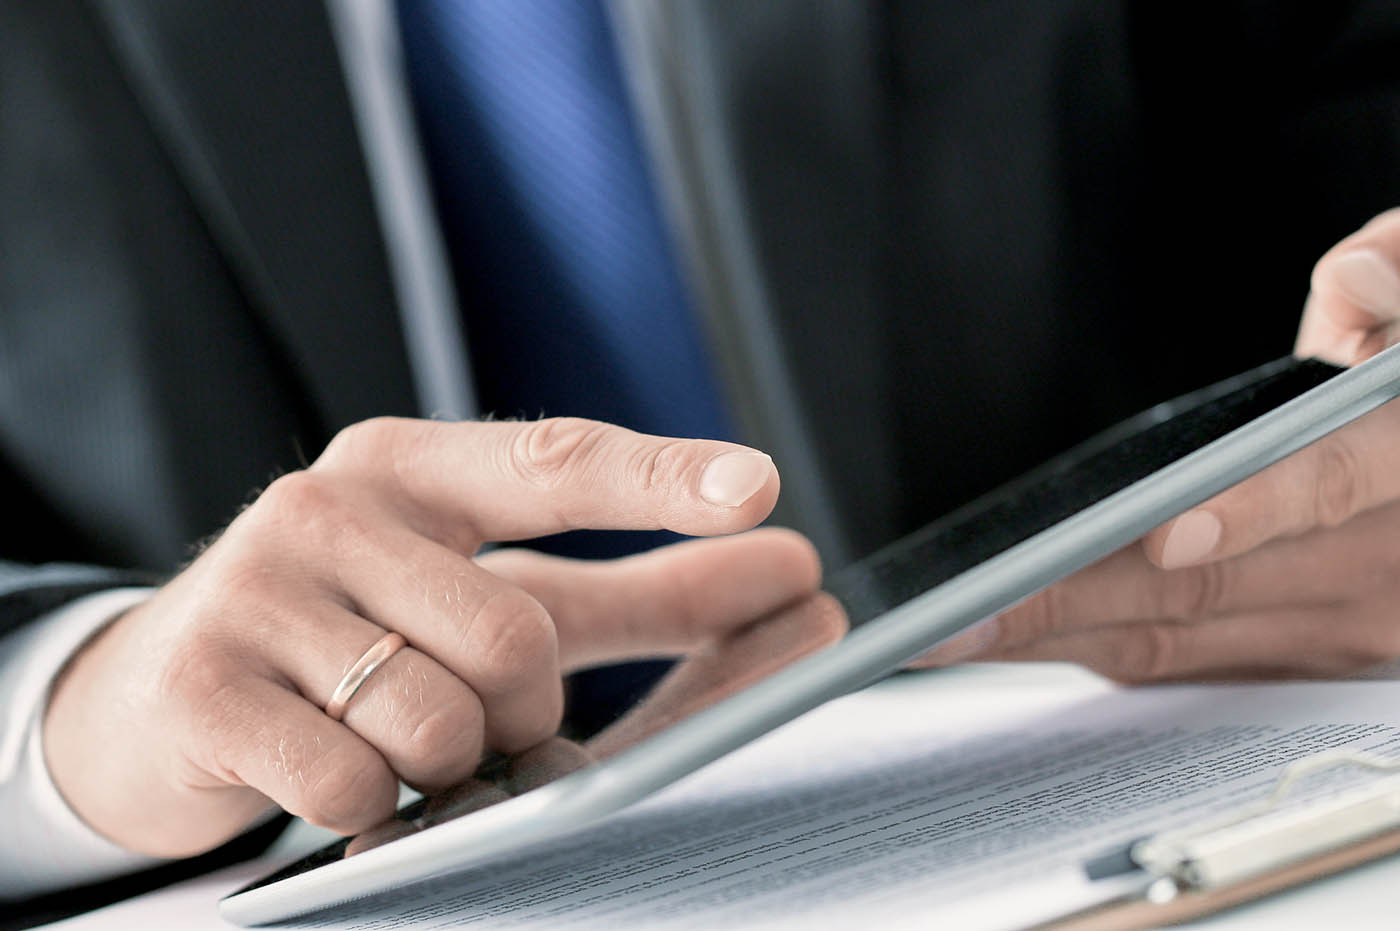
{"type": "Point", "coordinates": [1368, 279]}
{"type": "Point", "coordinates": [1191, 539]}
{"type": "Point", "coordinates": [733, 478]}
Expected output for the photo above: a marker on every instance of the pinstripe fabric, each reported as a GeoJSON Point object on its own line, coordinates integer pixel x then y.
{"type": "Point", "coordinates": [551, 217]}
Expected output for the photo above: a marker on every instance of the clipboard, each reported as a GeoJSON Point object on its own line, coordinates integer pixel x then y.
{"type": "Point", "coordinates": [901, 601]}
{"type": "Point", "coordinates": [1217, 864]}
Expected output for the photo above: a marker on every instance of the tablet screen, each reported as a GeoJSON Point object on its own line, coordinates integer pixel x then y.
{"type": "Point", "coordinates": [1066, 485]}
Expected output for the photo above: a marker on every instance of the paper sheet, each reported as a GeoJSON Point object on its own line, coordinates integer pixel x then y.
{"type": "Point", "coordinates": [881, 808]}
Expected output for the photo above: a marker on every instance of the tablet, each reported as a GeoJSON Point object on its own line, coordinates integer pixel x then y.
{"type": "Point", "coordinates": [901, 601]}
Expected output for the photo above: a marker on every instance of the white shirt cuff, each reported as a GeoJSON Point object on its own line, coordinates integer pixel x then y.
{"type": "Point", "coordinates": [45, 845]}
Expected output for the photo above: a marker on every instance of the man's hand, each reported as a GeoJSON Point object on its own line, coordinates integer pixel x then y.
{"type": "Point", "coordinates": [174, 728]}
{"type": "Point", "coordinates": [1295, 571]}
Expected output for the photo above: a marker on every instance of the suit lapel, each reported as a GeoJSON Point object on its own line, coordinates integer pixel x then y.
{"type": "Point", "coordinates": [251, 103]}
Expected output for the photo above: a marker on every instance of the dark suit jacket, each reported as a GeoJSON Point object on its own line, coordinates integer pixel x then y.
{"type": "Point", "coordinates": [936, 242]}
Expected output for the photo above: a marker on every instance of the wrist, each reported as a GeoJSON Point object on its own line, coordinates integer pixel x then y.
{"type": "Point", "coordinates": [46, 845]}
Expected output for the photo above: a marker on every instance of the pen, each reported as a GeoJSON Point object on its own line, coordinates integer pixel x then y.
{"type": "Point", "coordinates": [1263, 837]}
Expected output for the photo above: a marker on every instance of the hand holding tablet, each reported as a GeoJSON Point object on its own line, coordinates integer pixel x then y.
{"type": "Point", "coordinates": [1293, 571]}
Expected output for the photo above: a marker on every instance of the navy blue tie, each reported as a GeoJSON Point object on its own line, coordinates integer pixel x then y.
{"type": "Point", "coordinates": [575, 305]}
{"type": "Point", "coordinates": [573, 300]}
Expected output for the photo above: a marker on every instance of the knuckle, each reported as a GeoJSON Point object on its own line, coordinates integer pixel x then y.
{"type": "Point", "coordinates": [535, 723]}
{"type": "Point", "coordinates": [655, 466]}
{"type": "Point", "coordinates": [1196, 593]}
{"type": "Point", "coordinates": [307, 512]}
{"type": "Point", "coordinates": [221, 718]}
{"type": "Point", "coordinates": [368, 441]}
{"type": "Point", "coordinates": [296, 498]}
{"type": "Point", "coordinates": [1149, 653]}
{"type": "Point", "coordinates": [445, 744]}
{"type": "Point", "coordinates": [511, 637]}
{"type": "Point", "coordinates": [1339, 489]}
{"type": "Point", "coordinates": [348, 794]}
{"type": "Point", "coordinates": [241, 569]}
{"type": "Point", "coordinates": [550, 451]}
{"type": "Point", "coordinates": [203, 677]}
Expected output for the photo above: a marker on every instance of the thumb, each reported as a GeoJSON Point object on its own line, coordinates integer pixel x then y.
{"type": "Point", "coordinates": [1353, 309]}
{"type": "Point", "coordinates": [665, 602]}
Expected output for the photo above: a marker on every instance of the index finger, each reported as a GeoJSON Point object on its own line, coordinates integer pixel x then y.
{"type": "Point", "coordinates": [665, 602]}
{"type": "Point", "coordinates": [517, 480]}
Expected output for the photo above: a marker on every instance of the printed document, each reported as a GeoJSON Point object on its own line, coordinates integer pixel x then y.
{"type": "Point", "coordinates": [897, 806]}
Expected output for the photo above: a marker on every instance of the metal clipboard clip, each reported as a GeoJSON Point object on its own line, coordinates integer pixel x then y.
{"type": "Point", "coordinates": [1268, 834]}
{"type": "Point", "coordinates": [1264, 847]}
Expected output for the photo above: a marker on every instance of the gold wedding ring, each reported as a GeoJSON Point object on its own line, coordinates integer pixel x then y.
{"type": "Point", "coordinates": [376, 656]}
